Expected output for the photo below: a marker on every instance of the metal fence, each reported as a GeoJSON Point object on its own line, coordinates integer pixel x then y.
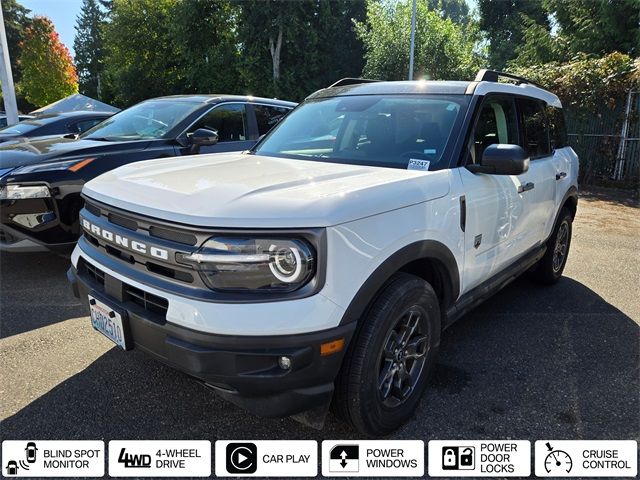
{"type": "Point", "coordinates": [608, 143]}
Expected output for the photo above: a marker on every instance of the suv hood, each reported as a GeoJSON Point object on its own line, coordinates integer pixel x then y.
{"type": "Point", "coordinates": [43, 149]}
{"type": "Point", "coordinates": [251, 191]}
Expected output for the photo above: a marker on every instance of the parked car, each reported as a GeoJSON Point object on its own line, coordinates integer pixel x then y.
{"type": "Point", "coordinates": [41, 180]}
{"type": "Point", "coordinates": [322, 265]}
{"type": "Point", "coordinates": [3, 119]}
{"type": "Point", "coordinates": [73, 123]}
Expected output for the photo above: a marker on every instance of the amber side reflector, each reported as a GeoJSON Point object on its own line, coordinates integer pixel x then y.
{"type": "Point", "coordinates": [79, 165]}
{"type": "Point", "coordinates": [332, 347]}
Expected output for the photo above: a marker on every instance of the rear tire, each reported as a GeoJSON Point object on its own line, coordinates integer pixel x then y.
{"type": "Point", "coordinates": [549, 268]}
{"type": "Point", "coordinates": [387, 366]}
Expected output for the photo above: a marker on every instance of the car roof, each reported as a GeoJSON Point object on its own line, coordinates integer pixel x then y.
{"type": "Point", "coordinates": [416, 87]}
{"type": "Point", "coordinates": [422, 87]}
{"type": "Point", "coordinates": [75, 113]}
{"type": "Point", "coordinates": [218, 98]}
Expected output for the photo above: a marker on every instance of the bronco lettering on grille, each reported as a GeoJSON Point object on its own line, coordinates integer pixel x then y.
{"type": "Point", "coordinates": [125, 242]}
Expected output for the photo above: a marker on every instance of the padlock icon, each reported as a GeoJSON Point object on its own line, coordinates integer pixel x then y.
{"type": "Point", "coordinates": [467, 458]}
{"type": "Point", "coordinates": [450, 458]}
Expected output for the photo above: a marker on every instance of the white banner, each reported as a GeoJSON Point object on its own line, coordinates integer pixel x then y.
{"type": "Point", "coordinates": [586, 458]}
{"type": "Point", "coordinates": [373, 458]}
{"type": "Point", "coordinates": [479, 458]}
{"type": "Point", "coordinates": [266, 458]}
{"type": "Point", "coordinates": [53, 458]}
{"type": "Point", "coordinates": [159, 458]}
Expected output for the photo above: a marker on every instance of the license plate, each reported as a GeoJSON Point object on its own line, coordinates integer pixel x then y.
{"type": "Point", "coordinates": [108, 321]}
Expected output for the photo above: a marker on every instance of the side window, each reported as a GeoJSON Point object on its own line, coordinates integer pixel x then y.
{"type": "Point", "coordinates": [230, 121]}
{"type": "Point", "coordinates": [535, 128]}
{"type": "Point", "coordinates": [267, 117]}
{"type": "Point", "coordinates": [84, 125]}
{"type": "Point", "coordinates": [497, 123]}
{"type": "Point", "coordinates": [557, 127]}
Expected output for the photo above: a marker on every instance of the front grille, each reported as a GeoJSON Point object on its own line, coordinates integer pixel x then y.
{"type": "Point", "coordinates": [95, 273]}
{"type": "Point", "coordinates": [155, 305]}
{"type": "Point", "coordinates": [152, 233]}
{"type": "Point", "coordinates": [148, 301]}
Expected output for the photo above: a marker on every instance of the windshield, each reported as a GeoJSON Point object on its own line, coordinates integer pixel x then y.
{"type": "Point", "coordinates": [146, 120]}
{"type": "Point", "coordinates": [386, 131]}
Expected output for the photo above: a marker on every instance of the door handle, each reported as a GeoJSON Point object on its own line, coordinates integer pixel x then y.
{"type": "Point", "coordinates": [561, 175]}
{"type": "Point", "coordinates": [526, 187]}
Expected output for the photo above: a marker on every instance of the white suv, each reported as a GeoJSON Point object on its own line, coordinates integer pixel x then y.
{"type": "Point", "coordinates": [321, 266]}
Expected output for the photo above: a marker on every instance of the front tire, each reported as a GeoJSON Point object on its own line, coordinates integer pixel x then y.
{"type": "Point", "coordinates": [549, 268]}
{"type": "Point", "coordinates": [387, 366]}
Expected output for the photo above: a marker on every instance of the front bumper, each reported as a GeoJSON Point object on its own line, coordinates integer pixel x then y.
{"type": "Point", "coordinates": [242, 368]}
{"type": "Point", "coordinates": [32, 225]}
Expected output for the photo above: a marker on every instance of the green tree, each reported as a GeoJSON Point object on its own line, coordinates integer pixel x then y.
{"type": "Point", "coordinates": [47, 67]}
{"type": "Point", "coordinates": [16, 19]}
{"type": "Point", "coordinates": [598, 26]}
{"type": "Point", "coordinates": [456, 10]}
{"type": "Point", "coordinates": [504, 23]}
{"type": "Point", "coordinates": [89, 49]}
{"type": "Point", "coordinates": [206, 45]}
{"type": "Point", "coordinates": [443, 49]}
{"type": "Point", "coordinates": [141, 55]}
{"type": "Point", "coordinates": [289, 49]}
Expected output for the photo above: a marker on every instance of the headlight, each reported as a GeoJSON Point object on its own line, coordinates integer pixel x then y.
{"type": "Point", "coordinates": [21, 192]}
{"type": "Point", "coordinates": [73, 165]}
{"type": "Point", "coordinates": [253, 264]}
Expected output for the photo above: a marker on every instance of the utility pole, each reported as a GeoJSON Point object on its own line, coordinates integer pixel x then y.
{"type": "Point", "coordinates": [413, 39]}
{"type": "Point", "coordinates": [6, 77]}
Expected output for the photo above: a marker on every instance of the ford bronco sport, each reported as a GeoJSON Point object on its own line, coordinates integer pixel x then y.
{"type": "Point", "coordinates": [320, 267]}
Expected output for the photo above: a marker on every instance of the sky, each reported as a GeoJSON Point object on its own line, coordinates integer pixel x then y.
{"type": "Point", "coordinates": [62, 13]}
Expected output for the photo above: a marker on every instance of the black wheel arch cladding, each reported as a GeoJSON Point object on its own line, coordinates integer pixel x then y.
{"type": "Point", "coordinates": [425, 253]}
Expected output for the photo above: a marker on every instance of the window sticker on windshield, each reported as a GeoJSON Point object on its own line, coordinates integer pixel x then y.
{"type": "Point", "coordinates": [432, 151]}
{"type": "Point", "coordinates": [415, 164]}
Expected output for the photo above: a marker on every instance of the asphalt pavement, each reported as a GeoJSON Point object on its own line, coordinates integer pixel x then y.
{"type": "Point", "coordinates": [531, 363]}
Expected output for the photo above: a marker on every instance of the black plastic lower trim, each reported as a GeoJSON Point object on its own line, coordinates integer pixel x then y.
{"type": "Point", "coordinates": [243, 369]}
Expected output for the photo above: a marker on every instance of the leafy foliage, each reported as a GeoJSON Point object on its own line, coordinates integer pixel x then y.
{"type": "Point", "coordinates": [16, 19]}
{"type": "Point", "coordinates": [504, 23]}
{"type": "Point", "coordinates": [587, 82]}
{"type": "Point", "coordinates": [48, 73]}
{"type": "Point", "coordinates": [88, 47]}
{"type": "Point", "coordinates": [444, 50]}
{"type": "Point", "coordinates": [141, 59]}
{"type": "Point", "coordinates": [289, 49]}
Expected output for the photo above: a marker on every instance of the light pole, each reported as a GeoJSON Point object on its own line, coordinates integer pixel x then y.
{"type": "Point", "coordinates": [413, 39]}
{"type": "Point", "coordinates": [6, 77]}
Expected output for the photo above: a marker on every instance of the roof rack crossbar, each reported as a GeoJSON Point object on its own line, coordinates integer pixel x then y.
{"type": "Point", "coordinates": [352, 81]}
{"type": "Point", "coordinates": [485, 75]}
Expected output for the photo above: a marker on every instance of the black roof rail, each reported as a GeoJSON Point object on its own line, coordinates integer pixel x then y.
{"type": "Point", "coordinates": [485, 75]}
{"type": "Point", "coordinates": [352, 81]}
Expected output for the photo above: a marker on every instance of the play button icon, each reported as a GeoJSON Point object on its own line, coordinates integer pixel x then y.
{"type": "Point", "coordinates": [242, 458]}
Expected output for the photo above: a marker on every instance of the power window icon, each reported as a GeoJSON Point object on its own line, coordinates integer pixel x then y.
{"type": "Point", "coordinates": [242, 458]}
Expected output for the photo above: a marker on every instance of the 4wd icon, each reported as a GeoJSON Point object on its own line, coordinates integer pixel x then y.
{"type": "Point", "coordinates": [345, 458]}
{"type": "Point", "coordinates": [458, 458]}
{"type": "Point", "coordinates": [133, 460]}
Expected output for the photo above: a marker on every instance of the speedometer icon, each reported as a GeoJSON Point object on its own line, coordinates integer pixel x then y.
{"type": "Point", "coordinates": [558, 461]}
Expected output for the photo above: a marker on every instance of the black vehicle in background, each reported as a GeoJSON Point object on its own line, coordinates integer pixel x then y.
{"type": "Point", "coordinates": [41, 180]}
{"type": "Point", "coordinates": [53, 124]}
{"type": "Point", "coordinates": [3, 119]}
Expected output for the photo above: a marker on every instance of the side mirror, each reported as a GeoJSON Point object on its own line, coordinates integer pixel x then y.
{"type": "Point", "coordinates": [502, 159]}
{"type": "Point", "coordinates": [202, 137]}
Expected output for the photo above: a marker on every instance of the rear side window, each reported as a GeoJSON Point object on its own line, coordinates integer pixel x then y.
{"type": "Point", "coordinates": [268, 116]}
{"type": "Point", "coordinates": [557, 127]}
{"type": "Point", "coordinates": [229, 120]}
{"type": "Point", "coordinates": [497, 123]}
{"type": "Point", "coordinates": [535, 128]}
